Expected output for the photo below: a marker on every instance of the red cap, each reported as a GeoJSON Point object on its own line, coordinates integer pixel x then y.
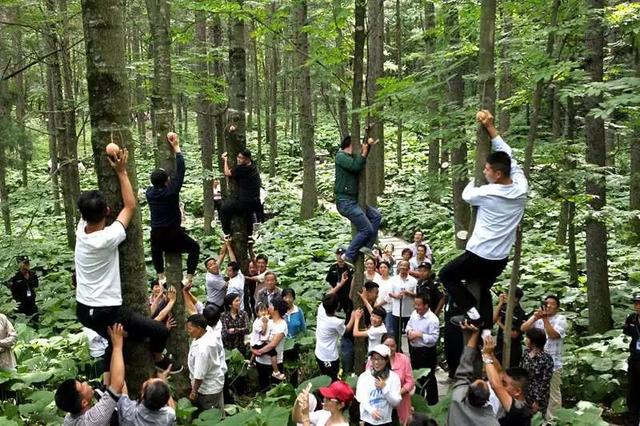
{"type": "Point", "coordinates": [339, 390]}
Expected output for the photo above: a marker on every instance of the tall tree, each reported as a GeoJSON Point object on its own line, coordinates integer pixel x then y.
{"type": "Point", "coordinates": [272, 62]}
{"type": "Point", "coordinates": [634, 170]}
{"type": "Point", "coordinates": [109, 109]}
{"type": "Point", "coordinates": [49, 117]}
{"type": "Point", "coordinates": [432, 104]}
{"type": "Point", "coordinates": [598, 299]}
{"type": "Point", "coordinates": [309, 190]}
{"type": "Point", "coordinates": [5, 109]}
{"type": "Point", "coordinates": [398, 46]}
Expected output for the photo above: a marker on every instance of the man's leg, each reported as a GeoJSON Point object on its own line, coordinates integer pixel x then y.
{"type": "Point", "coordinates": [347, 354]}
{"type": "Point", "coordinates": [431, 384]}
{"type": "Point", "coordinates": [157, 254]}
{"type": "Point", "coordinates": [183, 243]}
{"type": "Point", "coordinates": [375, 218]}
{"type": "Point", "coordinates": [633, 391]}
{"type": "Point", "coordinates": [141, 327]}
{"type": "Point", "coordinates": [555, 396]}
{"type": "Point", "coordinates": [452, 347]}
{"type": "Point", "coordinates": [490, 270]}
{"type": "Point", "coordinates": [352, 211]}
{"type": "Point", "coordinates": [227, 210]}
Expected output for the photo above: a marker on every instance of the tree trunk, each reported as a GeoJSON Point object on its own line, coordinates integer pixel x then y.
{"type": "Point", "coordinates": [5, 108]}
{"type": "Point", "coordinates": [215, 31]}
{"type": "Point", "coordinates": [204, 122]}
{"type": "Point", "coordinates": [309, 190]}
{"type": "Point", "coordinates": [139, 96]}
{"type": "Point", "coordinates": [53, 150]}
{"type": "Point", "coordinates": [598, 300]}
{"type": "Point", "coordinates": [398, 36]}
{"type": "Point", "coordinates": [432, 104]}
{"type": "Point", "coordinates": [236, 139]}
{"type": "Point", "coordinates": [273, 64]}
{"type": "Point", "coordinates": [24, 144]}
{"type": "Point", "coordinates": [109, 108]}
{"type": "Point", "coordinates": [634, 167]}
{"type": "Point", "coordinates": [459, 167]}
{"type": "Point", "coordinates": [256, 88]}
{"type": "Point", "coordinates": [158, 12]}
{"type": "Point", "coordinates": [375, 62]}
{"type": "Point", "coordinates": [504, 93]}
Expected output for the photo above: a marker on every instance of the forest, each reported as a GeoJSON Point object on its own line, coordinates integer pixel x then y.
{"type": "Point", "coordinates": [288, 80]}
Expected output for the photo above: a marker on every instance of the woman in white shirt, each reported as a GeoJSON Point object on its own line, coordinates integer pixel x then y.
{"type": "Point", "coordinates": [378, 389]}
{"type": "Point", "coordinates": [277, 327]}
{"type": "Point", "coordinates": [370, 273]}
{"type": "Point", "coordinates": [385, 284]}
{"type": "Point", "coordinates": [337, 397]}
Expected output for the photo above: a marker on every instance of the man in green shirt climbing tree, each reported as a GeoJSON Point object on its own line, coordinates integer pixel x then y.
{"type": "Point", "coordinates": [366, 221]}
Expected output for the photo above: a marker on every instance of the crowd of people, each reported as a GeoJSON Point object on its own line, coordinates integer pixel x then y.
{"type": "Point", "coordinates": [400, 311]}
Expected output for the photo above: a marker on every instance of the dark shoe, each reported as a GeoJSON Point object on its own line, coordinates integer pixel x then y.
{"type": "Point", "coordinates": [458, 320]}
{"type": "Point", "coordinates": [165, 362]}
{"type": "Point", "coordinates": [346, 259]}
{"type": "Point", "coordinates": [366, 251]}
{"type": "Point", "coordinates": [227, 237]}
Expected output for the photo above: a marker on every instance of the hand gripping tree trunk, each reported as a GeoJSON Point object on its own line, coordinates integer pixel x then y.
{"type": "Point", "coordinates": [109, 108]}
{"type": "Point", "coordinates": [158, 12]}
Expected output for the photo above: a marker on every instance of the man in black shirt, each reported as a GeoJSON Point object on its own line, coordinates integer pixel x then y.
{"type": "Point", "coordinates": [164, 205]}
{"type": "Point", "coordinates": [341, 283]}
{"type": "Point", "coordinates": [519, 317]}
{"type": "Point", "coordinates": [23, 285]}
{"type": "Point", "coordinates": [632, 328]}
{"type": "Point", "coordinates": [247, 197]}
{"type": "Point", "coordinates": [426, 284]}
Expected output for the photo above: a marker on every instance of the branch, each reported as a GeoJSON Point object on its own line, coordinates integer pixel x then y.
{"type": "Point", "coordinates": [38, 60]}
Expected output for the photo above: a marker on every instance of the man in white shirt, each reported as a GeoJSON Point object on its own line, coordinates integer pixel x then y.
{"type": "Point", "coordinates": [236, 281]}
{"type": "Point", "coordinates": [420, 257]}
{"type": "Point", "coordinates": [500, 207]}
{"type": "Point", "coordinates": [97, 263]}
{"type": "Point", "coordinates": [554, 325]}
{"type": "Point", "coordinates": [329, 329]}
{"type": "Point", "coordinates": [423, 330]}
{"type": "Point", "coordinates": [205, 365]}
{"type": "Point", "coordinates": [403, 290]}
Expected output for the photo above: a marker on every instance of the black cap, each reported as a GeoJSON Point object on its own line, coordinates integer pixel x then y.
{"type": "Point", "coordinates": [636, 297]}
{"type": "Point", "coordinates": [340, 250]}
{"type": "Point", "coordinates": [22, 258]}
{"type": "Point", "coordinates": [424, 265]}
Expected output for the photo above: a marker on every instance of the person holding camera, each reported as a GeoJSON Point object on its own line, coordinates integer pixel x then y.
{"type": "Point", "coordinates": [632, 328]}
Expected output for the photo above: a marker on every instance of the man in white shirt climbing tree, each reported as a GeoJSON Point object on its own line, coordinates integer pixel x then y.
{"type": "Point", "coordinates": [500, 206]}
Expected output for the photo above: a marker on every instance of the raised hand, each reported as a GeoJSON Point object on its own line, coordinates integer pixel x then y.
{"type": "Point", "coordinates": [119, 163]}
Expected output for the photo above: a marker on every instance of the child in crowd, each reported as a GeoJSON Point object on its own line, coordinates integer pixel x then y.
{"type": "Point", "coordinates": [377, 329]}
{"type": "Point", "coordinates": [260, 338]}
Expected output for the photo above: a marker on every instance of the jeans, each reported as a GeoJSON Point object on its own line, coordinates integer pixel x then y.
{"type": "Point", "coordinates": [136, 325]}
{"type": "Point", "coordinates": [173, 240]}
{"type": "Point", "coordinates": [366, 222]}
{"type": "Point", "coordinates": [347, 354]}
{"type": "Point", "coordinates": [239, 206]}
{"type": "Point", "coordinates": [472, 268]}
{"type": "Point", "coordinates": [422, 357]}
{"type": "Point", "coordinates": [388, 322]}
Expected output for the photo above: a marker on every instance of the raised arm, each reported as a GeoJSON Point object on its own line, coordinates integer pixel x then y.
{"type": "Point", "coordinates": [464, 372]}
{"type": "Point", "coordinates": [171, 300]}
{"type": "Point", "coordinates": [128, 197]}
{"type": "Point", "coordinates": [226, 170]}
{"type": "Point", "coordinates": [232, 254]}
{"type": "Point", "coordinates": [494, 370]}
{"type": "Point", "coordinates": [116, 332]}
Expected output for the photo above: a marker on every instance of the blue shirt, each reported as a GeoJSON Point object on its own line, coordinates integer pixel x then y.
{"type": "Point", "coordinates": [295, 322]}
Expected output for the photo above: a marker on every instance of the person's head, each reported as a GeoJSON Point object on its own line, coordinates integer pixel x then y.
{"type": "Point", "coordinates": [155, 394]}
{"type": "Point", "coordinates": [345, 144]}
{"type": "Point", "coordinates": [552, 304]}
{"type": "Point", "coordinates": [330, 304]}
{"type": "Point", "coordinates": [406, 253]}
{"type": "Point", "coordinates": [519, 294]}
{"type": "Point", "coordinates": [278, 307]}
{"type": "Point", "coordinates": [370, 265]}
{"type": "Point", "coordinates": [390, 341]}
{"type": "Point", "coordinates": [384, 267]}
{"type": "Point", "coordinates": [497, 169]}
{"type": "Point", "coordinates": [232, 269]}
{"type": "Point", "coordinates": [261, 262]}
{"type": "Point", "coordinates": [379, 356]}
{"type": "Point", "coordinates": [478, 393]}
{"type": "Point", "coordinates": [536, 338]}
{"type": "Point", "coordinates": [515, 381]}
{"type": "Point", "coordinates": [196, 326]}
{"type": "Point", "coordinates": [421, 251]}
{"type": "Point", "coordinates": [417, 236]}
{"type": "Point", "coordinates": [270, 281]}
{"type": "Point", "coordinates": [262, 310]}
{"type": "Point", "coordinates": [244, 157]}
{"type": "Point", "coordinates": [421, 303]}
{"type": "Point", "coordinates": [337, 396]}
{"type": "Point", "coordinates": [252, 269]}
{"type": "Point", "coordinates": [339, 252]}
{"type": "Point", "coordinates": [371, 290]}
{"type": "Point", "coordinates": [421, 419]}
{"type": "Point", "coordinates": [289, 296]}
{"type": "Point", "coordinates": [23, 263]}
{"type": "Point", "coordinates": [424, 270]}
{"type": "Point", "coordinates": [403, 268]}
{"type": "Point", "coordinates": [232, 302]}
{"type": "Point", "coordinates": [212, 265]}
{"type": "Point", "coordinates": [156, 288]}
{"type": "Point", "coordinates": [93, 207]}
{"type": "Point", "coordinates": [212, 315]}
{"type": "Point", "coordinates": [388, 249]}
{"type": "Point", "coordinates": [74, 396]}
{"type": "Point", "coordinates": [636, 302]}
{"type": "Point", "coordinates": [159, 178]}
{"type": "Point", "coordinates": [377, 316]}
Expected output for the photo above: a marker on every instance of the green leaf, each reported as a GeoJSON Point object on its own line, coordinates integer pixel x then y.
{"type": "Point", "coordinates": [316, 382]}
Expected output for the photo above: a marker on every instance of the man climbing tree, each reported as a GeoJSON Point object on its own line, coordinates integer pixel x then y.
{"type": "Point", "coordinates": [164, 205]}
{"type": "Point", "coordinates": [500, 206]}
{"type": "Point", "coordinates": [366, 221]}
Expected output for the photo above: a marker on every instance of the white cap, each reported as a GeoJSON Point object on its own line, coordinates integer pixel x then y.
{"type": "Point", "coordinates": [382, 350]}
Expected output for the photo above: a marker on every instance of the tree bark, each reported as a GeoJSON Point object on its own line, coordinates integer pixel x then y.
{"type": "Point", "coordinates": [634, 167]}
{"type": "Point", "coordinates": [598, 299]}
{"type": "Point", "coordinates": [109, 108]}
{"type": "Point", "coordinates": [50, 118]}
{"type": "Point", "coordinates": [375, 71]}
{"type": "Point", "coordinates": [273, 64]}
{"type": "Point", "coordinates": [256, 96]}
{"type": "Point", "coordinates": [432, 104]}
{"type": "Point", "coordinates": [24, 143]}
{"type": "Point", "coordinates": [398, 37]}
{"type": "Point", "coordinates": [140, 106]}
{"type": "Point", "coordinates": [309, 190]}
{"type": "Point", "coordinates": [5, 109]}
{"type": "Point", "coordinates": [504, 93]}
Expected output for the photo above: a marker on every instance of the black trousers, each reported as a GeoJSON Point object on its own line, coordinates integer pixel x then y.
{"type": "Point", "coordinates": [426, 358]}
{"type": "Point", "coordinates": [235, 207]}
{"type": "Point", "coordinates": [173, 240]}
{"type": "Point", "coordinates": [516, 350]}
{"type": "Point", "coordinates": [453, 346]}
{"type": "Point", "coordinates": [472, 268]}
{"type": "Point", "coordinates": [136, 325]}
{"type": "Point", "coordinates": [633, 390]}
{"type": "Point", "coordinates": [265, 379]}
{"type": "Point", "coordinates": [329, 368]}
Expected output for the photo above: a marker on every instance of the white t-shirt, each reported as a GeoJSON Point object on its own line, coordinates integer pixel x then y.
{"type": "Point", "coordinates": [275, 328]}
{"type": "Point", "coordinates": [205, 364]}
{"type": "Point", "coordinates": [385, 287]}
{"type": "Point", "coordinates": [371, 398]}
{"type": "Point", "coordinates": [399, 284]}
{"type": "Point", "coordinates": [414, 262]}
{"type": "Point", "coordinates": [375, 279]}
{"type": "Point", "coordinates": [329, 329]}
{"type": "Point", "coordinates": [98, 265]}
{"type": "Point", "coordinates": [216, 336]}
{"type": "Point", "coordinates": [375, 336]}
{"type": "Point", "coordinates": [236, 285]}
{"type": "Point", "coordinates": [500, 208]}
{"type": "Point", "coordinates": [320, 418]}
{"type": "Point", "coordinates": [256, 332]}
{"type": "Point", "coordinates": [554, 346]}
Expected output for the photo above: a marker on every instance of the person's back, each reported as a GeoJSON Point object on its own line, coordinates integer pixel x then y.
{"type": "Point", "coordinates": [348, 169]}
{"type": "Point", "coordinates": [133, 413]}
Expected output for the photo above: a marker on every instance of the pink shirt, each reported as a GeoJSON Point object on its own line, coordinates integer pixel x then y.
{"type": "Point", "coordinates": [401, 365]}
